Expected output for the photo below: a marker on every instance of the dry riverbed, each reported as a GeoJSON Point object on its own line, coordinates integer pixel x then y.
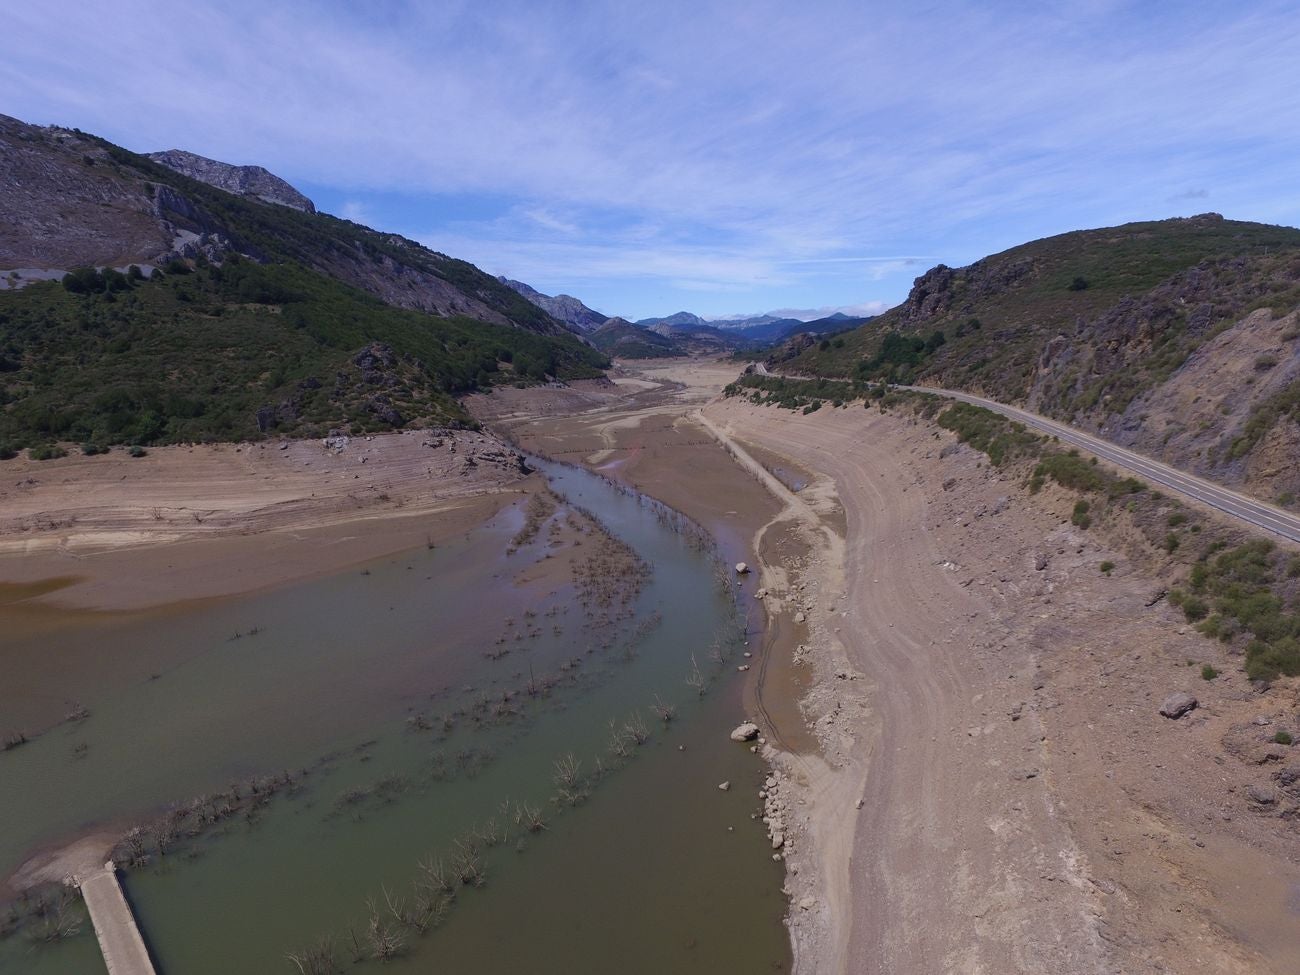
{"type": "Point", "coordinates": [960, 710]}
{"type": "Point", "coordinates": [997, 790]}
{"type": "Point", "coordinates": [970, 771]}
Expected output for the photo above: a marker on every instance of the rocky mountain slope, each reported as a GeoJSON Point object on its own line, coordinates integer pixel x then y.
{"type": "Point", "coordinates": [231, 317]}
{"type": "Point", "coordinates": [1178, 337]}
{"type": "Point", "coordinates": [619, 337]}
{"type": "Point", "coordinates": [252, 181]}
{"type": "Point", "coordinates": [563, 308]}
{"type": "Point", "coordinates": [71, 199]}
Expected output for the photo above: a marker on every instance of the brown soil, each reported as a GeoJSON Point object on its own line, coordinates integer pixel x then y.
{"type": "Point", "coordinates": [998, 792]}
{"type": "Point", "coordinates": [194, 522]}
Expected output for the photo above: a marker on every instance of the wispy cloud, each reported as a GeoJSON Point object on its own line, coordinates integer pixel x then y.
{"type": "Point", "coordinates": [718, 145]}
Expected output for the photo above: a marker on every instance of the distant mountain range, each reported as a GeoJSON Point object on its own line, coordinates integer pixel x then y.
{"type": "Point", "coordinates": [682, 333]}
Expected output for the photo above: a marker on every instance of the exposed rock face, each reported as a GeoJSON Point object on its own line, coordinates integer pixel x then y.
{"type": "Point", "coordinates": [563, 308]}
{"type": "Point", "coordinates": [251, 181]}
{"type": "Point", "coordinates": [42, 172]}
{"type": "Point", "coordinates": [68, 199]}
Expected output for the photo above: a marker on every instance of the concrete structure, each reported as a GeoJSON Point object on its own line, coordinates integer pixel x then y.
{"type": "Point", "coordinates": [119, 938]}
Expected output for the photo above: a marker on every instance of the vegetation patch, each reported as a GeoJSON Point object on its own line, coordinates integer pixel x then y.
{"type": "Point", "coordinates": [241, 351]}
{"type": "Point", "coordinates": [1244, 587]}
{"type": "Point", "coordinates": [1002, 439]}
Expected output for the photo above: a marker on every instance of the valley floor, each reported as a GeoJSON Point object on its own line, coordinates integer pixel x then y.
{"type": "Point", "coordinates": [989, 785]}
{"type": "Point", "coordinates": [971, 773]}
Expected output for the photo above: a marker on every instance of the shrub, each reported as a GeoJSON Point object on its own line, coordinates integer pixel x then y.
{"type": "Point", "coordinates": [1079, 284]}
{"type": "Point", "coordinates": [1080, 518]}
{"type": "Point", "coordinates": [47, 452]}
{"type": "Point", "coordinates": [1107, 567]}
{"type": "Point", "coordinates": [1194, 609]}
{"type": "Point", "coordinates": [7, 452]}
{"type": "Point", "coordinates": [1208, 672]}
{"type": "Point", "coordinates": [1176, 519]}
{"type": "Point", "coordinates": [995, 435]}
{"type": "Point", "coordinates": [91, 449]}
{"type": "Point", "coordinates": [1071, 471]}
{"type": "Point", "coordinates": [1282, 738]}
{"type": "Point", "coordinates": [1171, 543]}
{"type": "Point", "coordinates": [137, 451]}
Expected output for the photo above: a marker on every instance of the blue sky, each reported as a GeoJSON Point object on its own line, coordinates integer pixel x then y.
{"type": "Point", "coordinates": [724, 158]}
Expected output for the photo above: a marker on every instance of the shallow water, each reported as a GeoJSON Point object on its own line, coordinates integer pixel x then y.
{"type": "Point", "coordinates": [656, 870]}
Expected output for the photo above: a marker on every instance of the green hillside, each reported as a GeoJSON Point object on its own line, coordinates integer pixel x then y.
{"type": "Point", "coordinates": [244, 350]}
{"type": "Point", "coordinates": [1154, 291]}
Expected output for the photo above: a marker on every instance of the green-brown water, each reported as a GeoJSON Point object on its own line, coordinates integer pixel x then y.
{"type": "Point", "coordinates": [353, 678]}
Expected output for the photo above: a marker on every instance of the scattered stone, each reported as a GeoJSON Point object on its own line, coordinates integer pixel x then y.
{"type": "Point", "coordinates": [800, 618]}
{"type": "Point", "coordinates": [745, 732]}
{"type": "Point", "coordinates": [1040, 562]}
{"type": "Point", "coordinates": [1262, 720]}
{"type": "Point", "coordinates": [743, 667]}
{"type": "Point", "coordinates": [724, 786]}
{"type": "Point", "coordinates": [859, 804]}
{"type": "Point", "coordinates": [778, 840]}
{"type": "Point", "coordinates": [1178, 704]}
{"type": "Point", "coordinates": [807, 904]}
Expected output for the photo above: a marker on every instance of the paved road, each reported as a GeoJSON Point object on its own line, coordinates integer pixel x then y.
{"type": "Point", "coordinates": [1257, 514]}
{"type": "Point", "coordinates": [119, 938]}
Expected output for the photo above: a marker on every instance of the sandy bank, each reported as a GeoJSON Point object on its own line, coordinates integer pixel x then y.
{"type": "Point", "coordinates": [193, 522]}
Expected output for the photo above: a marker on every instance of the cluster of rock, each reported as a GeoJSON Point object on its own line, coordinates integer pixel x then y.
{"type": "Point", "coordinates": [775, 816]}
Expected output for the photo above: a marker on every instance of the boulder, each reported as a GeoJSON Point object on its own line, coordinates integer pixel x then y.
{"type": "Point", "coordinates": [742, 569]}
{"type": "Point", "coordinates": [725, 786]}
{"type": "Point", "coordinates": [1178, 704]}
{"type": "Point", "coordinates": [1261, 795]}
{"type": "Point", "coordinates": [745, 732]}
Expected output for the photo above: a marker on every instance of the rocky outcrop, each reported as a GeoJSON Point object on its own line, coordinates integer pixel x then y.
{"type": "Point", "coordinates": [251, 181]}
{"type": "Point", "coordinates": [68, 199]}
{"type": "Point", "coordinates": [563, 308]}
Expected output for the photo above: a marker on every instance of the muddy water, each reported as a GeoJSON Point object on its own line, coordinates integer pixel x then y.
{"type": "Point", "coordinates": [384, 687]}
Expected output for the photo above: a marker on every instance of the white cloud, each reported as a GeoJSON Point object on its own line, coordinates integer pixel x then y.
{"type": "Point", "coordinates": [705, 144]}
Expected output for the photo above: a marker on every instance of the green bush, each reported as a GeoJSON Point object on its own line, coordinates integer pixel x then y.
{"type": "Point", "coordinates": [1107, 567]}
{"type": "Point", "coordinates": [1002, 439]}
{"type": "Point", "coordinates": [1282, 738]}
{"type": "Point", "coordinates": [1194, 609]}
{"type": "Point", "coordinates": [1208, 672]}
{"type": "Point", "coordinates": [47, 452]}
{"type": "Point", "coordinates": [1071, 471]}
{"type": "Point", "coordinates": [1080, 518]}
{"type": "Point", "coordinates": [137, 451]}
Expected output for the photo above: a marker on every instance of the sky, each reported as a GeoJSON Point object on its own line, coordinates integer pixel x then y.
{"type": "Point", "coordinates": [725, 158]}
